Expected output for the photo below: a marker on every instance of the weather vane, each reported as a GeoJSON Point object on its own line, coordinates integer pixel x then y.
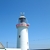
{"type": "Point", "coordinates": [22, 13]}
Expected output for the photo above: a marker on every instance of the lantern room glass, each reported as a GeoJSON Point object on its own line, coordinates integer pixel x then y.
{"type": "Point", "coordinates": [21, 20]}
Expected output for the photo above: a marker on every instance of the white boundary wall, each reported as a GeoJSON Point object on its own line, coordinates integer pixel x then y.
{"type": "Point", "coordinates": [2, 49]}
{"type": "Point", "coordinates": [12, 49]}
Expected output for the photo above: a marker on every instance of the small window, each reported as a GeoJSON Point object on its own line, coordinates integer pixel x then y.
{"type": "Point", "coordinates": [19, 36]}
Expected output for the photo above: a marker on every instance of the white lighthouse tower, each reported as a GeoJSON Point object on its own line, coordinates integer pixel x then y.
{"type": "Point", "coordinates": [22, 33]}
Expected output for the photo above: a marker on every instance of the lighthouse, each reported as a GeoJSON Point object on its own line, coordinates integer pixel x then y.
{"type": "Point", "coordinates": [22, 33]}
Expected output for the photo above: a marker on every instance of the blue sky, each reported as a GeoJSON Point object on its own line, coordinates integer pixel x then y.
{"type": "Point", "coordinates": [37, 13]}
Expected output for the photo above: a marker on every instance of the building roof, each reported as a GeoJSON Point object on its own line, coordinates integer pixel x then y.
{"type": "Point", "coordinates": [22, 16]}
{"type": "Point", "coordinates": [1, 46]}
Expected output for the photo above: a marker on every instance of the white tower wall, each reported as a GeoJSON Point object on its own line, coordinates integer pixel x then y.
{"type": "Point", "coordinates": [23, 40]}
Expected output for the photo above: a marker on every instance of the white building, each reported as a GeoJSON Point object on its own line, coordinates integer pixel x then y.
{"type": "Point", "coordinates": [22, 33]}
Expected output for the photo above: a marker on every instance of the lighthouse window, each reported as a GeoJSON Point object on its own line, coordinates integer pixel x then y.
{"type": "Point", "coordinates": [22, 20]}
{"type": "Point", "coordinates": [27, 42]}
{"type": "Point", "coordinates": [19, 36]}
